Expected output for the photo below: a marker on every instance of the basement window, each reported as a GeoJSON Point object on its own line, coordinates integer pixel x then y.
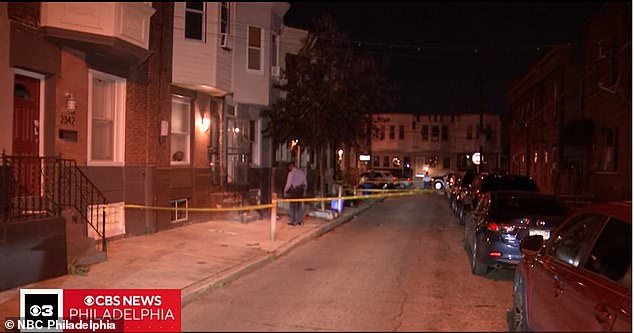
{"type": "Point", "coordinates": [179, 212]}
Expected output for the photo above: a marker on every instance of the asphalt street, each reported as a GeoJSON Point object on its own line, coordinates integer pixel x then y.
{"type": "Point", "coordinates": [400, 266]}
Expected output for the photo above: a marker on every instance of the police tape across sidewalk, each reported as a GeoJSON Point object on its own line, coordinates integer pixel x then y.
{"type": "Point", "coordinates": [379, 194]}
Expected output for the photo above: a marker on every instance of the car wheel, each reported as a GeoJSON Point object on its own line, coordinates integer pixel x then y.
{"type": "Point", "coordinates": [519, 323]}
{"type": "Point", "coordinates": [477, 267]}
{"type": "Point", "coordinates": [438, 185]}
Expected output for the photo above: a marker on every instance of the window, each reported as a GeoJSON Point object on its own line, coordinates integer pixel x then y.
{"type": "Point", "coordinates": [254, 53]}
{"type": "Point", "coordinates": [470, 132]}
{"type": "Point", "coordinates": [180, 133]}
{"type": "Point", "coordinates": [224, 24]}
{"type": "Point", "coordinates": [275, 46]}
{"type": "Point", "coordinates": [608, 154]}
{"type": "Point", "coordinates": [611, 255]}
{"type": "Point", "coordinates": [566, 245]}
{"type": "Point", "coordinates": [194, 20]}
{"type": "Point", "coordinates": [435, 133]}
{"type": "Point", "coordinates": [179, 210]}
{"type": "Point", "coordinates": [392, 132]}
{"type": "Point", "coordinates": [376, 161]}
{"type": "Point", "coordinates": [396, 162]}
{"type": "Point", "coordinates": [424, 132]}
{"type": "Point", "coordinates": [386, 161]}
{"type": "Point", "coordinates": [382, 133]}
{"type": "Point", "coordinates": [106, 128]}
{"type": "Point", "coordinates": [401, 132]}
{"type": "Point", "coordinates": [444, 134]}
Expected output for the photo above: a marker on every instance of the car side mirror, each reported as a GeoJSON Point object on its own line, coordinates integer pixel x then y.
{"type": "Point", "coordinates": [530, 245]}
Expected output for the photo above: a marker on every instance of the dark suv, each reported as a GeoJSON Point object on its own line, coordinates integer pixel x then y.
{"type": "Point", "coordinates": [484, 183]}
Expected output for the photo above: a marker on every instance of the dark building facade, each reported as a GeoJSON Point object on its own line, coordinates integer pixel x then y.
{"type": "Point", "coordinates": [572, 113]}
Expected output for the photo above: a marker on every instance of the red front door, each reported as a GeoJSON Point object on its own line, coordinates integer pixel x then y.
{"type": "Point", "coordinates": [26, 116]}
{"type": "Point", "coordinates": [26, 133]}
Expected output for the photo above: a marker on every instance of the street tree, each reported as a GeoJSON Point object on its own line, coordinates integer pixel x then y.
{"type": "Point", "coordinates": [327, 94]}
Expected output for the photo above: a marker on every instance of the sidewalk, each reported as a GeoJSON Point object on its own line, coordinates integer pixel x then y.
{"type": "Point", "coordinates": [192, 258]}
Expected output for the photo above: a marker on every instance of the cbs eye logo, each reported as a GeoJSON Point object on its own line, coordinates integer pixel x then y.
{"type": "Point", "coordinates": [41, 303]}
{"type": "Point", "coordinates": [44, 310]}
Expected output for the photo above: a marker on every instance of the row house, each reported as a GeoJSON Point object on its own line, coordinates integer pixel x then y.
{"type": "Point", "coordinates": [573, 113]}
{"type": "Point", "coordinates": [541, 104]}
{"type": "Point", "coordinates": [118, 104]}
{"type": "Point", "coordinates": [227, 56]}
{"type": "Point", "coordinates": [438, 143]}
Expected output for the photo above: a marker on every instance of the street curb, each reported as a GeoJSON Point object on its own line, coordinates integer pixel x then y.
{"type": "Point", "coordinates": [194, 290]}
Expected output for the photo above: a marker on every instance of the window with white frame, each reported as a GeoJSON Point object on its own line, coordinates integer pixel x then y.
{"type": "Point", "coordinates": [254, 48]}
{"type": "Point", "coordinates": [179, 210]}
{"type": "Point", "coordinates": [195, 20]}
{"type": "Point", "coordinates": [106, 116]}
{"type": "Point", "coordinates": [180, 130]}
{"type": "Point", "coordinates": [224, 24]}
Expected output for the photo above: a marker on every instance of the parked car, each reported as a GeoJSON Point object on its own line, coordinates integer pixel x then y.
{"type": "Point", "coordinates": [458, 190]}
{"type": "Point", "coordinates": [501, 219]}
{"type": "Point", "coordinates": [377, 179]}
{"type": "Point", "coordinates": [483, 183]}
{"type": "Point", "coordinates": [579, 279]}
{"type": "Point", "coordinates": [402, 177]}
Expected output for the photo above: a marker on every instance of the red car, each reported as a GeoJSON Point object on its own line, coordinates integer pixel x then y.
{"type": "Point", "coordinates": [580, 279]}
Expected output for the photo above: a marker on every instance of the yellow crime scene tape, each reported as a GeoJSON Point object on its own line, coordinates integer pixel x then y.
{"type": "Point", "coordinates": [379, 194]}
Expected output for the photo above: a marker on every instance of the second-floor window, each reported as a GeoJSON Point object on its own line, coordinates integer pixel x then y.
{"type": "Point", "coordinates": [392, 132]}
{"type": "Point", "coordinates": [424, 132]}
{"type": "Point", "coordinates": [224, 24]}
{"type": "Point", "coordinates": [194, 20]}
{"type": "Point", "coordinates": [401, 132]}
{"type": "Point", "coordinates": [254, 53]}
{"type": "Point", "coordinates": [275, 45]}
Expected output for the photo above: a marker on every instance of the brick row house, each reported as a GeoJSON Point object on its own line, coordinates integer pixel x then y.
{"type": "Point", "coordinates": [571, 113]}
{"type": "Point", "coordinates": [438, 143]}
{"type": "Point", "coordinates": [151, 104]}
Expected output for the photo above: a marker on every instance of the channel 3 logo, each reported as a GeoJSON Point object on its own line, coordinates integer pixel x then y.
{"type": "Point", "coordinates": [39, 308]}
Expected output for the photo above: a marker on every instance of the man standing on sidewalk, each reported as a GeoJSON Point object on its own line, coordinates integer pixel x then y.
{"type": "Point", "coordinates": [295, 188]}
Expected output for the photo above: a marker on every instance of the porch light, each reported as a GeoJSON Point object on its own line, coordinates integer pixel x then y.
{"type": "Point", "coordinates": [204, 124]}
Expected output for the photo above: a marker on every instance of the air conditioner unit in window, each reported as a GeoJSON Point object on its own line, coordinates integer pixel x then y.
{"type": "Point", "coordinates": [275, 71]}
{"type": "Point", "coordinates": [224, 40]}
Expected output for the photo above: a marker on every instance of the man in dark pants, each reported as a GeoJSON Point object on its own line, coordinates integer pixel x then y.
{"type": "Point", "coordinates": [295, 188]}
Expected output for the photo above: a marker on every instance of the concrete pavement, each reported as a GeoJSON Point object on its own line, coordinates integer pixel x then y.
{"type": "Point", "coordinates": [192, 258]}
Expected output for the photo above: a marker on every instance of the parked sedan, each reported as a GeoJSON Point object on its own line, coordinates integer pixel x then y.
{"type": "Point", "coordinates": [502, 219]}
{"type": "Point", "coordinates": [580, 279]}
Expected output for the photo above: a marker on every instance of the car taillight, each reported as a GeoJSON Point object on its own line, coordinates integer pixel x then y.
{"type": "Point", "coordinates": [492, 226]}
{"type": "Point", "coordinates": [498, 227]}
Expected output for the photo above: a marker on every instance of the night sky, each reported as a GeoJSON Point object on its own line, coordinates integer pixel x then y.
{"type": "Point", "coordinates": [432, 46]}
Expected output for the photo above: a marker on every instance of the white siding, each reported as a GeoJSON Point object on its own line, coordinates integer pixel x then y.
{"type": "Point", "coordinates": [201, 62]}
{"type": "Point", "coordinates": [249, 87]}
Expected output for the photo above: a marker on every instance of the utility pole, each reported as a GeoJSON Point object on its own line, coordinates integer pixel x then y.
{"type": "Point", "coordinates": [480, 127]}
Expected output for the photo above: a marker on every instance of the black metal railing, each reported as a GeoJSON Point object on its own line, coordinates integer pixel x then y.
{"type": "Point", "coordinates": [34, 187]}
